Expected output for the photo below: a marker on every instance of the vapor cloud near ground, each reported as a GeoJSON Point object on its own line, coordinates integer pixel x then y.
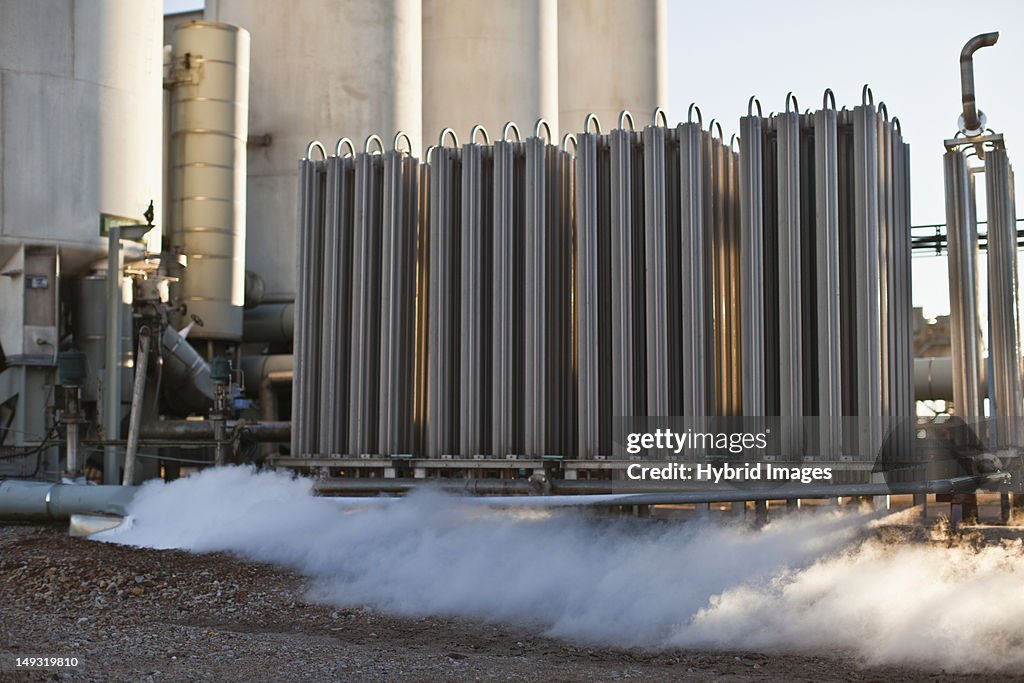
{"type": "Point", "coordinates": [809, 583]}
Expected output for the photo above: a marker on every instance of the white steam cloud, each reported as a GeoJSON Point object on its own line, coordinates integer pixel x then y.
{"type": "Point", "coordinates": [808, 582]}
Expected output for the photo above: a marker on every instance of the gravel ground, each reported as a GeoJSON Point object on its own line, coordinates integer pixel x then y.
{"type": "Point", "coordinates": [146, 615]}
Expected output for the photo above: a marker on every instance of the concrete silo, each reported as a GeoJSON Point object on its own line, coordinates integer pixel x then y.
{"type": "Point", "coordinates": [488, 62]}
{"type": "Point", "coordinates": [82, 109]}
{"type": "Point", "coordinates": [335, 68]}
{"type": "Point", "coordinates": [80, 151]}
{"type": "Point", "coordinates": [611, 56]}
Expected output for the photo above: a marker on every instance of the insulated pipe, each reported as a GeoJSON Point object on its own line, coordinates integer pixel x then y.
{"type": "Point", "coordinates": [269, 323]}
{"type": "Point", "coordinates": [23, 500]}
{"type": "Point", "coordinates": [27, 500]}
{"type": "Point", "coordinates": [973, 120]}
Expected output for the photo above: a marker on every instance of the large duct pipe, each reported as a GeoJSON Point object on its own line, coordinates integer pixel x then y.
{"type": "Point", "coordinates": [186, 377]}
{"type": "Point", "coordinates": [933, 379]}
{"type": "Point", "coordinates": [257, 368]}
{"type": "Point", "coordinates": [973, 120]}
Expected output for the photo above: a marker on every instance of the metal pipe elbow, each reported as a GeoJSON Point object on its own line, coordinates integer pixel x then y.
{"type": "Point", "coordinates": [972, 122]}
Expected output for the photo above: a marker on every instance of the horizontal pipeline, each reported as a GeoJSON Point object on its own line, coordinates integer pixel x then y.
{"type": "Point", "coordinates": [202, 430]}
{"type": "Point", "coordinates": [25, 500]}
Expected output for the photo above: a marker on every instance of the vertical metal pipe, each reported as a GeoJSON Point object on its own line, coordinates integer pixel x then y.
{"type": "Point", "coordinates": [787, 127]}
{"type": "Point", "coordinates": [905, 408]}
{"type": "Point", "coordinates": [336, 306]}
{"type": "Point", "coordinates": [693, 342]}
{"type": "Point", "coordinates": [366, 310]}
{"type": "Point", "coordinates": [474, 292]}
{"type": "Point", "coordinates": [397, 303]}
{"type": "Point", "coordinates": [563, 369]}
{"type": "Point", "coordinates": [625, 379]}
{"type": "Point", "coordinates": [888, 286]}
{"type": "Point", "coordinates": [443, 380]}
{"type": "Point", "coordinates": [961, 235]}
{"type": "Point", "coordinates": [422, 312]}
{"type": "Point", "coordinates": [135, 417]}
{"type": "Point", "coordinates": [535, 322]}
{"type": "Point", "coordinates": [714, 226]}
{"type": "Point", "coordinates": [751, 260]}
{"type": "Point", "coordinates": [72, 448]}
{"type": "Point", "coordinates": [730, 191]}
{"type": "Point", "coordinates": [309, 289]}
{"type": "Point", "coordinates": [327, 398]}
{"type": "Point", "coordinates": [112, 390]}
{"type": "Point", "coordinates": [508, 165]}
{"type": "Point", "coordinates": [655, 253]}
{"type": "Point", "coordinates": [588, 308]}
{"type": "Point", "coordinates": [826, 294]}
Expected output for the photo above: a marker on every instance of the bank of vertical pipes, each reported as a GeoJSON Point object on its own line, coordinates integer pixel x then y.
{"type": "Point", "coordinates": [825, 251]}
{"type": "Point", "coordinates": [356, 334]}
{"type": "Point", "coordinates": [511, 297]}
{"type": "Point", "coordinates": [1004, 390]}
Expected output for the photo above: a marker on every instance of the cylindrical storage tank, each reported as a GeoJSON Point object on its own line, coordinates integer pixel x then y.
{"type": "Point", "coordinates": [321, 69]}
{"type": "Point", "coordinates": [80, 135]}
{"type": "Point", "coordinates": [487, 62]}
{"type": "Point", "coordinates": [209, 129]}
{"type": "Point", "coordinates": [611, 56]}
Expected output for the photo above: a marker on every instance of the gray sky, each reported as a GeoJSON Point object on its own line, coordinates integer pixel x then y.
{"type": "Point", "coordinates": [722, 51]}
